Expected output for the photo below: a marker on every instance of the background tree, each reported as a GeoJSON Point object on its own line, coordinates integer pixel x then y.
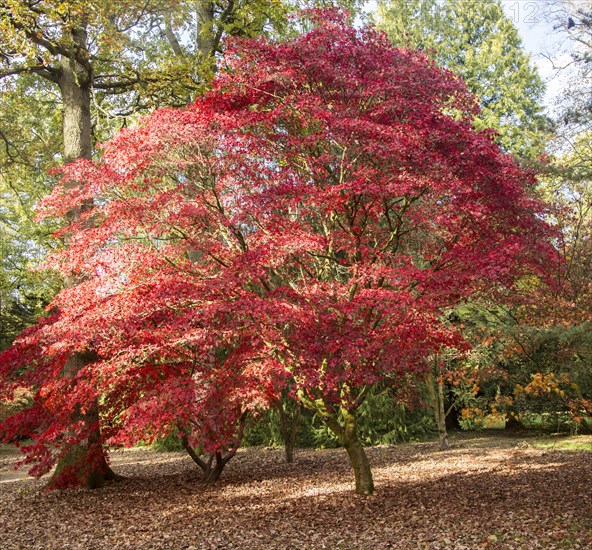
{"type": "Point", "coordinates": [28, 124]}
{"type": "Point", "coordinates": [475, 39]}
{"type": "Point", "coordinates": [137, 57]}
{"type": "Point", "coordinates": [572, 24]}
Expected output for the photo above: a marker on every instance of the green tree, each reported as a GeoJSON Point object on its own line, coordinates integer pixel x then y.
{"type": "Point", "coordinates": [28, 124]}
{"type": "Point", "coordinates": [475, 39]}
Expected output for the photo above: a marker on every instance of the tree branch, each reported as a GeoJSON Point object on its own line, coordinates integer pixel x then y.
{"type": "Point", "coordinates": [49, 73]}
{"type": "Point", "coordinates": [171, 37]}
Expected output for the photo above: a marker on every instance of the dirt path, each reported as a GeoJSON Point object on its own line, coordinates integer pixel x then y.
{"type": "Point", "coordinates": [484, 492]}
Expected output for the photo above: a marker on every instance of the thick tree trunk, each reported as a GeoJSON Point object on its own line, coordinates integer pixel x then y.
{"type": "Point", "coordinates": [75, 86]}
{"type": "Point", "coordinates": [347, 434]}
{"type": "Point", "coordinates": [205, 28]}
{"type": "Point", "coordinates": [289, 424]}
{"type": "Point", "coordinates": [357, 455]}
{"type": "Point", "coordinates": [85, 463]}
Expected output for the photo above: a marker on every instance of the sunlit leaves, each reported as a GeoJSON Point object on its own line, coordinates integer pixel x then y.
{"type": "Point", "coordinates": [309, 219]}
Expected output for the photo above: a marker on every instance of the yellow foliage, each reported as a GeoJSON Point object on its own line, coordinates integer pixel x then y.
{"type": "Point", "coordinates": [471, 413]}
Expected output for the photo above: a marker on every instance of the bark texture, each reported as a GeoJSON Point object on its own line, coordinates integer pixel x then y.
{"type": "Point", "coordinates": [435, 389]}
{"type": "Point", "coordinates": [83, 464]}
{"type": "Point", "coordinates": [357, 456]}
{"type": "Point", "coordinates": [290, 414]}
{"type": "Point", "coordinates": [346, 430]}
{"type": "Point", "coordinates": [205, 28]}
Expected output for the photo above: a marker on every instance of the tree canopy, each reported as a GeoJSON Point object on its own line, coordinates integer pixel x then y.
{"type": "Point", "coordinates": [310, 219]}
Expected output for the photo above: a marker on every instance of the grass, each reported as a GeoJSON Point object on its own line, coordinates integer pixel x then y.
{"type": "Point", "coordinates": [564, 443]}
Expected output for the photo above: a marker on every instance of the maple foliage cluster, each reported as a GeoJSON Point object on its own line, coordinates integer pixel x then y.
{"type": "Point", "coordinates": [306, 223]}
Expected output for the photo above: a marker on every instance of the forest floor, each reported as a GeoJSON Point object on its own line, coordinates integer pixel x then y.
{"type": "Point", "coordinates": [488, 490]}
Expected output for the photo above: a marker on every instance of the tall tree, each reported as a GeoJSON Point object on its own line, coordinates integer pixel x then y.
{"type": "Point", "coordinates": [571, 57]}
{"type": "Point", "coordinates": [475, 39]}
{"type": "Point", "coordinates": [137, 56]}
{"type": "Point", "coordinates": [309, 220]}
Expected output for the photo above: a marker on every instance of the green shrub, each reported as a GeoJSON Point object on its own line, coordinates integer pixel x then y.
{"type": "Point", "coordinates": [382, 419]}
{"type": "Point", "coordinates": [169, 443]}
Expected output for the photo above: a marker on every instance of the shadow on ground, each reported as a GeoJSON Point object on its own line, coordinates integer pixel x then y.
{"type": "Point", "coordinates": [487, 495]}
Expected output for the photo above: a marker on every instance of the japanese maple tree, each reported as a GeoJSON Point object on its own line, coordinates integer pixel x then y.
{"type": "Point", "coordinates": [309, 221]}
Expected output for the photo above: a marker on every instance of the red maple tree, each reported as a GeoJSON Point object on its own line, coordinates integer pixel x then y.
{"type": "Point", "coordinates": [309, 220]}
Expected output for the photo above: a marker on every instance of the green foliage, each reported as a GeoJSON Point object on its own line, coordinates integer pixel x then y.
{"type": "Point", "coordinates": [263, 431]}
{"type": "Point", "coordinates": [475, 39]}
{"type": "Point", "coordinates": [381, 420]}
{"type": "Point", "coordinates": [552, 421]}
{"type": "Point", "coordinates": [538, 375]}
{"type": "Point", "coordinates": [29, 121]}
{"type": "Point", "coordinates": [169, 443]}
{"type": "Point", "coordinates": [140, 55]}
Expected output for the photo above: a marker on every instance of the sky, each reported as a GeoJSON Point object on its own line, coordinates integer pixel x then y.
{"type": "Point", "coordinates": [541, 41]}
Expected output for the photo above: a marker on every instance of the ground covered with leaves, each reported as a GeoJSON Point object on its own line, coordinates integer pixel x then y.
{"type": "Point", "coordinates": [484, 492]}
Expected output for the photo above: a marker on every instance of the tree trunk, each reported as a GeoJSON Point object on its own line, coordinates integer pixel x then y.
{"type": "Point", "coordinates": [357, 455]}
{"type": "Point", "coordinates": [348, 437]}
{"type": "Point", "coordinates": [75, 86]}
{"type": "Point", "coordinates": [289, 424]}
{"type": "Point", "coordinates": [205, 28]}
{"type": "Point", "coordinates": [84, 463]}
{"type": "Point", "coordinates": [436, 393]}
{"type": "Point", "coordinates": [215, 470]}
{"type": "Point", "coordinates": [452, 419]}
{"type": "Point", "coordinates": [211, 469]}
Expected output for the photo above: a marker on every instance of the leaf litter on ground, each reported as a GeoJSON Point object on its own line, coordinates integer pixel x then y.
{"type": "Point", "coordinates": [492, 492]}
